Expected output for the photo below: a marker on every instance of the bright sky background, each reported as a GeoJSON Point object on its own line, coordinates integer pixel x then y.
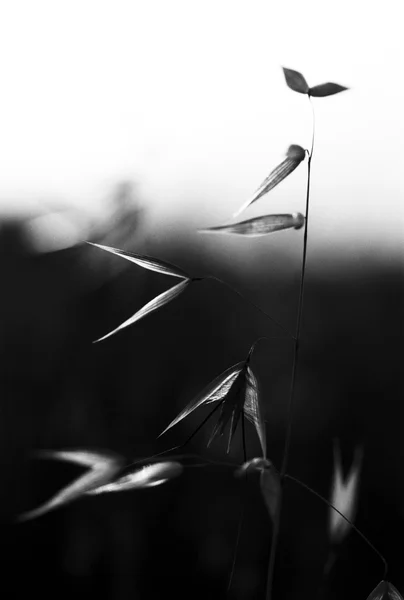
{"type": "Point", "coordinates": [188, 99]}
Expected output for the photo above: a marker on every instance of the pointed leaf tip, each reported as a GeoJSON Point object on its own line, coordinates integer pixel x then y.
{"type": "Point", "coordinates": [326, 89]}
{"type": "Point", "coordinates": [150, 307]}
{"type": "Point", "coordinates": [385, 591]}
{"type": "Point", "coordinates": [295, 81]}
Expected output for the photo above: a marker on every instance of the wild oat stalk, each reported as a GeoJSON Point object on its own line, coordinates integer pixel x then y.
{"type": "Point", "coordinates": [235, 391]}
{"type": "Point", "coordinates": [297, 83]}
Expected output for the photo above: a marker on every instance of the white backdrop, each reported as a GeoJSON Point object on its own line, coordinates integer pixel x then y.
{"type": "Point", "coordinates": [187, 98]}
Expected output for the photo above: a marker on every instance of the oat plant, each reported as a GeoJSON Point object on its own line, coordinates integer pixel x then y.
{"type": "Point", "coordinates": [234, 394]}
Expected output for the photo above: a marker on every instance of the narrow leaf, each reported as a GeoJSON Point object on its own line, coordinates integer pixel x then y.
{"type": "Point", "coordinates": [153, 264]}
{"type": "Point", "coordinates": [150, 307]}
{"type": "Point", "coordinates": [252, 408]}
{"type": "Point", "coordinates": [326, 89]}
{"type": "Point", "coordinates": [385, 591]}
{"type": "Point", "coordinates": [148, 476]}
{"type": "Point", "coordinates": [344, 494]}
{"type": "Point", "coordinates": [271, 490]}
{"type": "Point", "coordinates": [295, 81]}
{"type": "Point", "coordinates": [102, 469]}
{"type": "Point", "coordinates": [294, 157]}
{"type": "Point", "coordinates": [260, 225]}
{"type": "Point", "coordinates": [215, 391]}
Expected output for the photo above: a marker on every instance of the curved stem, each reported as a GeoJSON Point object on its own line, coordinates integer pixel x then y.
{"type": "Point", "coordinates": [358, 531]}
{"type": "Point", "coordinates": [252, 348]}
{"type": "Point", "coordinates": [296, 337]}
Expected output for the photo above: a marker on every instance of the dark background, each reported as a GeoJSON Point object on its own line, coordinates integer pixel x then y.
{"type": "Point", "coordinates": [58, 390]}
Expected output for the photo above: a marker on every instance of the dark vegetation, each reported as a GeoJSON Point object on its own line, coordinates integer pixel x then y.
{"type": "Point", "coordinates": [58, 390]}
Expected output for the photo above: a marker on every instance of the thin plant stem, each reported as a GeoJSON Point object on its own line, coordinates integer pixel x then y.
{"type": "Point", "coordinates": [290, 336]}
{"type": "Point", "coordinates": [296, 337]}
{"type": "Point", "coordinates": [299, 312]}
{"type": "Point", "coordinates": [263, 337]}
{"type": "Point", "coordinates": [358, 531]}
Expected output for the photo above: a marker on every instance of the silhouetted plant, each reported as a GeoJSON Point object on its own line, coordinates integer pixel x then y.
{"type": "Point", "coordinates": [235, 391]}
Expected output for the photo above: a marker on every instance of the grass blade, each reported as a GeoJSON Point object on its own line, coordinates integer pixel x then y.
{"type": "Point", "coordinates": [153, 264]}
{"type": "Point", "coordinates": [294, 157]}
{"type": "Point", "coordinates": [259, 226]}
{"type": "Point", "coordinates": [150, 307]}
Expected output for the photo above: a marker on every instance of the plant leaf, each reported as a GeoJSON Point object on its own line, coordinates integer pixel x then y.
{"type": "Point", "coordinates": [153, 264]}
{"type": "Point", "coordinates": [148, 476]}
{"type": "Point", "coordinates": [260, 225]}
{"type": "Point", "coordinates": [215, 391]}
{"type": "Point", "coordinates": [271, 490]}
{"type": "Point", "coordinates": [103, 467]}
{"type": "Point", "coordinates": [344, 494]}
{"type": "Point", "coordinates": [294, 157]}
{"type": "Point", "coordinates": [150, 307]}
{"type": "Point", "coordinates": [326, 89]}
{"type": "Point", "coordinates": [385, 591]}
{"type": "Point", "coordinates": [295, 81]}
{"type": "Point", "coordinates": [252, 409]}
